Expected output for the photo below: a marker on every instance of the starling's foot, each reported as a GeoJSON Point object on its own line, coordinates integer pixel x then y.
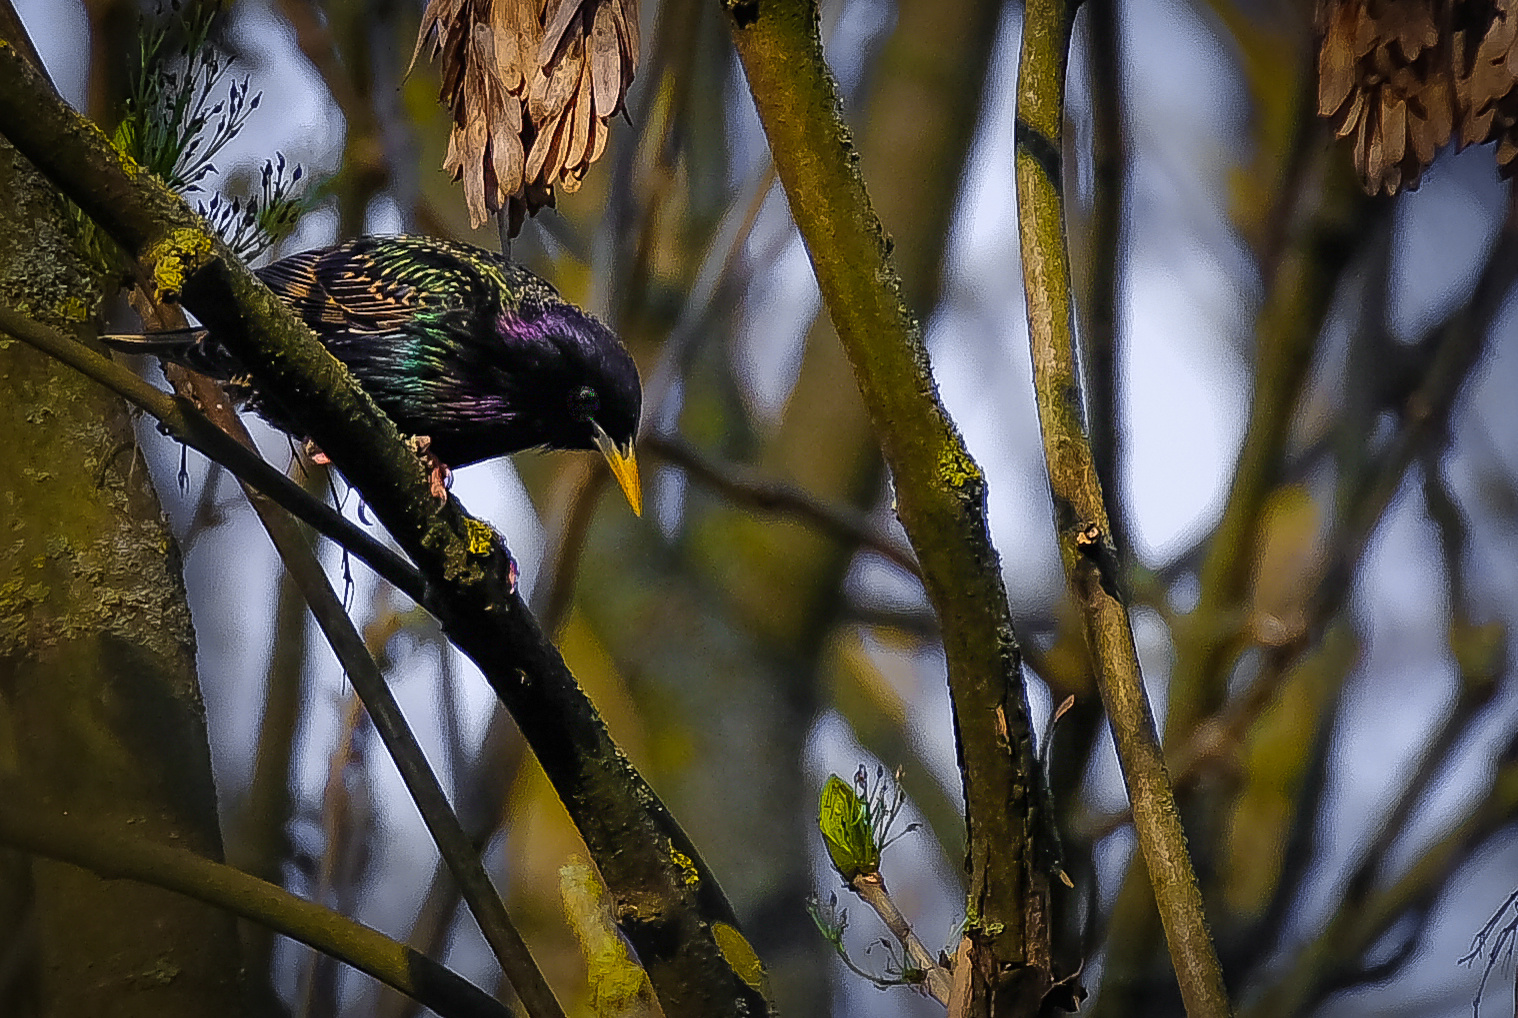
{"type": "Point", "coordinates": [438, 475]}
{"type": "Point", "coordinates": [317, 456]}
{"type": "Point", "coordinates": [511, 572]}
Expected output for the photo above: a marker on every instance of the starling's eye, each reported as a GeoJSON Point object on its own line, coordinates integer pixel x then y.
{"type": "Point", "coordinates": [585, 404]}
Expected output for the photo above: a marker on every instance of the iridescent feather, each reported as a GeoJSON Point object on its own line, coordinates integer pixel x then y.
{"type": "Point", "coordinates": [455, 343]}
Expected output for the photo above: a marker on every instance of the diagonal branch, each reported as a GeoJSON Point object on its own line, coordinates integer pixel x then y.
{"type": "Point", "coordinates": [179, 419]}
{"type": "Point", "coordinates": [836, 521]}
{"type": "Point", "coordinates": [1102, 321]}
{"type": "Point", "coordinates": [871, 889]}
{"type": "Point", "coordinates": [457, 850]}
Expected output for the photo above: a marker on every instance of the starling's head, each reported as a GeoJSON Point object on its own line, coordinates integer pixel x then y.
{"type": "Point", "coordinates": [589, 395]}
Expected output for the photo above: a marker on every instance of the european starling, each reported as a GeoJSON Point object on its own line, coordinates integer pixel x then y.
{"type": "Point", "coordinates": [473, 355]}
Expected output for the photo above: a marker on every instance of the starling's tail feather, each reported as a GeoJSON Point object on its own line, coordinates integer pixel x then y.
{"type": "Point", "coordinates": [191, 347]}
{"type": "Point", "coordinates": [160, 344]}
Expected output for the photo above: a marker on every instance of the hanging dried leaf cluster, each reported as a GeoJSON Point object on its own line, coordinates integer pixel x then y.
{"type": "Point", "coordinates": [1403, 77]}
{"type": "Point", "coordinates": [532, 85]}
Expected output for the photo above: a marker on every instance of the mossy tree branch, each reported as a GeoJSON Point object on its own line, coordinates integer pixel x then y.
{"type": "Point", "coordinates": [1084, 532]}
{"type": "Point", "coordinates": [940, 492]}
{"type": "Point", "coordinates": [668, 901]}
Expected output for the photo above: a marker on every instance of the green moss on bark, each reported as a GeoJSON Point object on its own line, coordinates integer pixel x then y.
{"type": "Point", "coordinates": [99, 704]}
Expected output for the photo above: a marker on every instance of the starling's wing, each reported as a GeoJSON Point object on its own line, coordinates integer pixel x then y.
{"type": "Point", "coordinates": [333, 294]}
{"type": "Point", "coordinates": [372, 286]}
{"type": "Point", "coordinates": [412, 318]}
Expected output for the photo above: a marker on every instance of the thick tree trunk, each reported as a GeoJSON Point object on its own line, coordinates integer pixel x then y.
{"type": "Point", "coordinates": [100, 713]}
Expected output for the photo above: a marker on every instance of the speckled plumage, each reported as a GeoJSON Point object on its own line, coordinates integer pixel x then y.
{"type": "Point", "coordinates": [453, 342]}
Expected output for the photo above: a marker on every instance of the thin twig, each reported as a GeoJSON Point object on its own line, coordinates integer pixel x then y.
{"type": "Point", "coordinates": [1482, 669]}
{"type": "Point", "coordinates": [487, 780]}
{"type": "Point", "coordinates": [319, 997]}
{"type": "Point", "coordinates": [872, 891]}
{"type": "Point", "coordinates": [715, 268]}
{"type": "Point", "coordinates": [561, 562]}
{"type": "Point", "coordinates": [422, 785]}
{"type": "Point", "coordinates": [1456, 346]}
{"type": "Point", "coordinates": [366, 166]}
{"type": "Point", "coordinates": [267, 803]}
{"type": "Point", "coordinates": [744, 489]}
{"type": "Point", "coordinates": [1287, 330]}
{"type": "Point", "coordinates": [1101, 334]}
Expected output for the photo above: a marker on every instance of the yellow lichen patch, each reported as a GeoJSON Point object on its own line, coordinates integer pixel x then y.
{"type": "Point", "coordinates": [740, 955]}
{"type": "Point", "coordinates": [618, 986]}
{"type": "Point", "coordinates": [174, 259]}
{"type": "Point", "coordinates": [481, 536]}
{"type": "Point", "coordinates": [688, 870]}
{"type": "Point", "coordinates": [955, 467]}
{"type": "Point", "coordinates": [131, 167]}
{"type": "Point", "coordinates": [72, 309]}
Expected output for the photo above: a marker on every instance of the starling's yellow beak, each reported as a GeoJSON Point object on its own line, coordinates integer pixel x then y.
{"type": "Point", "coordinates": [624, 467]}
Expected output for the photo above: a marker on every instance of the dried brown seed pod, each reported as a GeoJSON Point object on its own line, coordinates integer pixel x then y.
{"type": "Point", "coordinates": [531, 85]}
{"type": "Point", "coordinates": [1404, 77]}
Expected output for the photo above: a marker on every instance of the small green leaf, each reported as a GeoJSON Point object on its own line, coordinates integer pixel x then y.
{"type": "Point", "coordinates": [844, 821]}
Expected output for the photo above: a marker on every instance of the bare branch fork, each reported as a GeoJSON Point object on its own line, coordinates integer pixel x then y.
{"type": "Point", "coordinates": [669, 902]}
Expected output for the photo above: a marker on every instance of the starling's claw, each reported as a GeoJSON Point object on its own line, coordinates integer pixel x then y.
{"type": "Point", "coordinates": [439, 477]}
{"type": "Point", "coordinates": [317, 456]}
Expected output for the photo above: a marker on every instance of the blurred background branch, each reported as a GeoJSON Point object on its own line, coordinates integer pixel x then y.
{"type": "Point", "coordinates": [32, 827]}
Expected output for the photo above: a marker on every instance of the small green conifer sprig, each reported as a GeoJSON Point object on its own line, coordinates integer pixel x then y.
{"type": "Point", "coordinates": [178, 120]}
{"type": "Point", "coordinates": [251, 226]}
{"type": "Point", "coordinates": [173, 123]}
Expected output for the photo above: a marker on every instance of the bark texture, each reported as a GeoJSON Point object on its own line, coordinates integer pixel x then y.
{"type": "Point", "coordinates": [100, 711]}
